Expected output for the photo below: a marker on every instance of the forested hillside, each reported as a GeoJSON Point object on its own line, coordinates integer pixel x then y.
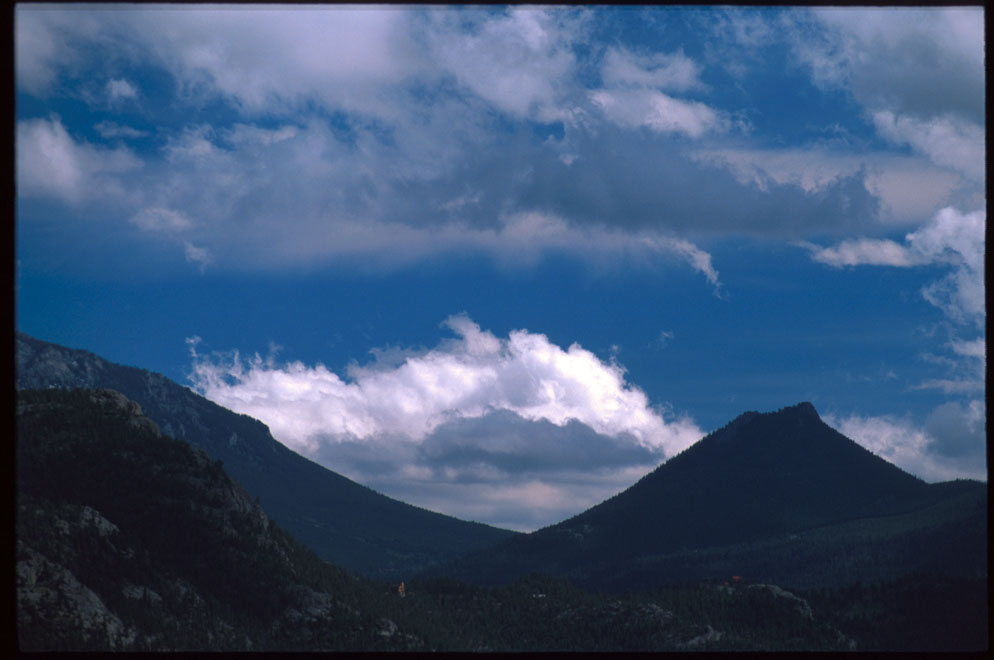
{"type": "Point", "coordinates": [779, 497]}
{"type": "Point", "coordinates": [344, 522]}
{"type": "Point", "coordinates": [130, 540]}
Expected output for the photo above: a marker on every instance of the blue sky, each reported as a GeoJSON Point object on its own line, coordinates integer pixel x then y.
{"type": "Point", "coordinates": [502, 262]}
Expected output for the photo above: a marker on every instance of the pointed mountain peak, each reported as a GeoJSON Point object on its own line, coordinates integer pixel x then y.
{"type": "Point", "coordinates": [803, 412]}
{"type": "Point", "coordinates": [807, 408]}
{"type": "Point", "coordinates": [803, 409]}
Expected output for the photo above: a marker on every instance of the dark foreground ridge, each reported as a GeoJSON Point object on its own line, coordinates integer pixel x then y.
{"type": "Point", "coordinates": [128, 540]}
{"type": "Point", "coordinates": [344, 522]}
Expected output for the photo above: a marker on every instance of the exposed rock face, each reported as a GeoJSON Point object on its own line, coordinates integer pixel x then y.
{"type": "Point", "coordinates": [50, 597]}
{"type": "Point", "coordinates": [800, 605]}
{"type": "Point", "coordinates": [701, 641]}
{"type": "Point", "coordinates": [386, 628]}
{"type": "Point", "coordinates": [129, 541]}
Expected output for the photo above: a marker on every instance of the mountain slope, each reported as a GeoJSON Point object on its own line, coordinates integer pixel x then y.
{"type": "Point", "coordinates": [761, 477]}
{"type": "Point", "coordinates": [130, 540]}
{"type": "Point", "coordinates": [344, 522]}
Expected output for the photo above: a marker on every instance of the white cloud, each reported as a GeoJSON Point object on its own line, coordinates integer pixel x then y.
{"type": "Point", "coordinates": [525, 235]}
{"type": "Point", "coordinates": [266, 58]}
{"type": "Point", "coordinates": [952, 238]}
{"type": "Point", "coordinates": [400, 149]}
{"type": "Point", "coordinates": [698, 258]}
{"type": "Point", "coordinates": [630, 95]}
{"type": "Point", "coordinates": [521, 61]}
{"type": "Point", "coordinates": [159, 219]}
{"type": "Point", "coordinates": [635, 108]}
{"type": "Point", "coordinates": [966, 370]}
{"type": "Point", "coordinates": [35, 51]}
{"type": "Point", "coordinates": [919, 74]}
{"type": "Point", "coordinates": [475, 410]}
{"type": "Point", "coordinates": [50, 163]}
{"type": "Point", "coordinates": [920, 61]}
{"type": "Point", "coordinates": [119, 89]}
{"type": "Point", "coordinates": [197, 255]}
{"type": "Point", "coordinates": [500, 468]}
{"type": "Point", "coordinates": [976, 348]}
{"type": "Point", "coordinates": [623, 68]}
{"type": "Point", "coordinates": [110, 130]}
{"type": "Point", "coordinates": [947, 141]}
{"type": "Point", "coordinates": [468, 377]}
{"type": "Point", "coordinates": [910, 188]}
{"type": "Point", "coordinates": [956, 239]}
{"type": "Point", "coordinates": [866, 251]}
{"type": "Point", "coordinates": [951, 444]}
{"type": "Point", "coordinates": [170, 224]}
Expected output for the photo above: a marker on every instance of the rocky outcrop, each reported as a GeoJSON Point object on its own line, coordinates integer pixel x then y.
{"type": "Point", "coordinates": [128, 540]}
{"type": "Point", "coordinates": [799, 605]}
{"type": "Point", "coordinates": [709, 636]}
{"type": "Point", "coordinates": [52, 601]}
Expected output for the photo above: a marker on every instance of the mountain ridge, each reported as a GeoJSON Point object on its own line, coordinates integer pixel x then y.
{"type": "Point", "coordinates": [761, 476]}
{"type": "Point", "coordinates": [130, 540]}
{"type": "Point", "coordinates": [343, 521]}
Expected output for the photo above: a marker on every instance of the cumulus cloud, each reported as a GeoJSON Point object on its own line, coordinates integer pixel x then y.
{"type": "Point", "coordinates": [940, 51]}
{"type": "Point", "coordinates": [919, 73]}
{"type": "Point", "coordinates": [631, 96]}
{"type": "Point", "coordinates": [476, 409]}
{"type": "Point", "coordinates": [657, 111]}
{"type": "Point", "coordinates": [264, 59]}
{"type": "Point", "coordinates": [404, 134]}
{"type": "Point", "coordinates": [623, 68]}
{"type": "Point", "coordinates": [51, 163]}
{"type": "Point", "coordinates": [951, 238]}
{"type": "Point", "coordinates": [500, 467]}
{"type": "Point", "coordinates": [419, 132]}
{"type": "Point", "coordinates": [467, 377]}
{"type": "Point", "coordinates": [119, 89]}
{"type": "Point", "coordinates": [950, 445]}
{"type": "Point", "coordinates": [947, 141]}
{"type": "Point", "coordinates": [45, 45]}
{"type": "Point", "coordinates": [234, 181]}
{"type": "Point", "coordinates": [956, 239]}
{"type": "Point", "coordinates": [521, 61]}
{"type": "Point", "coordinates": [910, 189]}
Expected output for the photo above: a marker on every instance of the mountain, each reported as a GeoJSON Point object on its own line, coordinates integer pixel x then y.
{"type": "Point", "coordinates": [778, 496]}
{"type": "Point", "coordinates": [129, 540]}
{"type": "Point", "coordinates": [344, 522]}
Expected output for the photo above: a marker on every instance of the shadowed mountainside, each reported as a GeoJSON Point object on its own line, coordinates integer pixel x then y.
{"type": "Point", "coordinates": [129, 540]}
{"type": "Point", "coordinates": [344, 522]}
{"type": "Point", "coordinates": [779, 496]}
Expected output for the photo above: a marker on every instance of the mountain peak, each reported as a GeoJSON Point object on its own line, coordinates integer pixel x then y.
{"type": "Point", "coordinates": [802, 413]}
